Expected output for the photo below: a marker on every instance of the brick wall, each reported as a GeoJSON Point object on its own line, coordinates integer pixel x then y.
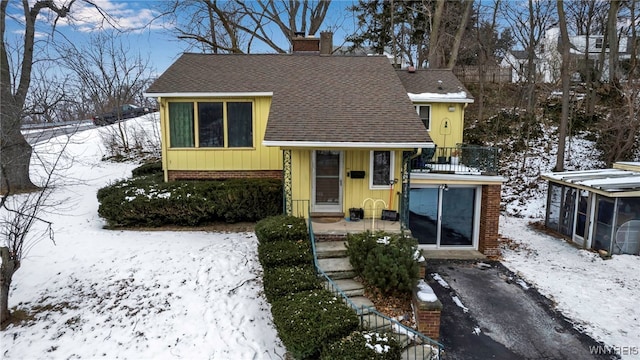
{"type": "Point", "coordinates": [227, 174]}
{"type": "Point", "coordinates": [489, 220]}
{"type": "Point", "coordinates": [427, 317]}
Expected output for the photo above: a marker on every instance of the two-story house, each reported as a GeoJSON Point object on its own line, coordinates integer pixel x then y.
{"type": "Point", "coordinates": [337, 129]}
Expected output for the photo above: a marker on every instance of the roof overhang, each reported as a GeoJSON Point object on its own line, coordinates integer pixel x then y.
{"type": "Point", "coordinates": [348, 145]}
{"type": "Point", "coordinates": [209, 94]}
{"type": "Point", "coordinates": [460, 97]}
{"type": "Point", "coordinates": [608, 182]}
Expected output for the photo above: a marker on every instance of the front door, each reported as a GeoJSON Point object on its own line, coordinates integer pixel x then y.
{"type": "Point", "coordinates": [327, 181]}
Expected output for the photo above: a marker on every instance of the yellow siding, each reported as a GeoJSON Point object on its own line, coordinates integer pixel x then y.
{"type": "Point", "coordinates": [451, 135]}
{"type": "Point", "coordinates": [301, 180]}
{"type": "Point", "coordinates": [355, 191]}
{"type": "Point", "coordinates": [257, 158]}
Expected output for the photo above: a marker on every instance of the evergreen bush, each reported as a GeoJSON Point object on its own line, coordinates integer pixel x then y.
{"type": "Point", "coordinates": [285, 280]}
{"type": "Point", "coordinates": [149, 168]}
{"type": "Point", "coordinates": [365, 345]}
{"type": "Point", "coordinates": [284, 253]}
{"type": "Point", "coordinates": [308, 320]}
{"type": "Point", "coordinates": [281, 228]}
{"type": "Point", "coordinates": [148, 201]}
{"type": "Point", "coordinates": [385, 261]}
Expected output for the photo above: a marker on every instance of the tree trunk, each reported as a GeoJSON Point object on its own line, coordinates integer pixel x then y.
{"type": "Point", "coordinates": [7, 269]}
{"type": "Point", "coordinates": [434, 62]}
{"type": "Point", "coordinates": [15, 152]}
{"type": "Point", "coordinates": [458, 39]}
{"type": "Point", "coordinates": [531, 65]}
{"type": "Point", "coordinates": [565, 76]}
{"type": "Point", "coordinates": [612, 31]}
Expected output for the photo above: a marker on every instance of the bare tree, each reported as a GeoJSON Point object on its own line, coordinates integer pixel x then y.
{"type": "Point", "coordinates": [110, 74]}
{"type": "Point", "coordinates": [19, 215]}
{"type": "Point", "coordinates": [529, 24]}
{"type": "Point", "coordinates": [455, 48]}
{"type": "Point", "coordinates": [236, 26]}
{"type": "Point", "coordinates": [565, 77]}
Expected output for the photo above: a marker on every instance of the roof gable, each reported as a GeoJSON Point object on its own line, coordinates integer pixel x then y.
{"type": "Point", "coordinates": [327, 99]}
{"type": "Point", "coordinates": [434, 85]}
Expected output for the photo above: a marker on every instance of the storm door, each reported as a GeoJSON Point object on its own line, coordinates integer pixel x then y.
{"type": "Point", "coordinates": [327, 181]}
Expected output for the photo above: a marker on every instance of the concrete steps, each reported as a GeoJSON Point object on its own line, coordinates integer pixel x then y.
{"type": "Point", "coordinates": [331, 249]}
{"type": "Point", "coordinates": [337, 268]}
{"type": "Point", "coordinates": [417, 352]}
{"type": "Point", "coordinates": [348, 286]}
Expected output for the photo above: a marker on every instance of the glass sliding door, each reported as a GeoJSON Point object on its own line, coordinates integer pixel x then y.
{"type": "Point", "coordinates": [423, 215]}
{"type": "Point", "coordinates": [456, 225]}
{"type": "Point", "coordinates": [444, 216]}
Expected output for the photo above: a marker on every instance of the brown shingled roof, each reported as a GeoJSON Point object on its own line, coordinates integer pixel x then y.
{"type": "Point", "coordinates": [427, 81]}
{"type": "Point", "coordinates": [315, 98]}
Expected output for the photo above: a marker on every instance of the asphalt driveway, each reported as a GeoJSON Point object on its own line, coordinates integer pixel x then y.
{"type": "Point", "coordinates": [489, 313]}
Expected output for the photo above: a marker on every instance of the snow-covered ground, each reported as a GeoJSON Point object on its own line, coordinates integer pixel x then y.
{"type": "Point", "coordinates": [100, 293]}
{"type": "Point", "coordinates": [129, 294]}
{"type": "Point", "coordinates": [600, 297]}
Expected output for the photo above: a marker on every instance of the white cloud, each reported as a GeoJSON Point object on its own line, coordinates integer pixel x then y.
{"type": "Point", "coordinates": [109, 14]}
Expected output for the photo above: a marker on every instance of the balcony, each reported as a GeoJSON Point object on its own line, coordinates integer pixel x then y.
{"type": "Point", "coordinates": [462, 159]}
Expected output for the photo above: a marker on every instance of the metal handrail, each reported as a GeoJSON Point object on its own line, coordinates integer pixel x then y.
{"type": "Point", "coordinates": [413, 335]}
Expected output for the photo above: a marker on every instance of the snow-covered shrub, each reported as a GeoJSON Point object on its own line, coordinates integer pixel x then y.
{"type": "Point", "coordinates": [286, 280]}
{"type": "Point", "coordinates": [306, 321]}
{"type": "Point", "coordinates": [281, 228]}
{"type": "Point", "coordinates": [148, 201]}
{"type": "Point", "coordinates": [284, 253]}
{"type": "Point", "coordinates": [365, 345]}
{"type": "Point", "coordinates": [385, 261]}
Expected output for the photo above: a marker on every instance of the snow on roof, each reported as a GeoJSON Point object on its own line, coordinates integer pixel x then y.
{"type": "Point", "coordinates": [460, 96]}
{"type": "Point", "coordinates": [611, 182]}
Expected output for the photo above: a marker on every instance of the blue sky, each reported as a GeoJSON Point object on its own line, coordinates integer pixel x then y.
{"type": "Point", "coordinates": [161, 46]}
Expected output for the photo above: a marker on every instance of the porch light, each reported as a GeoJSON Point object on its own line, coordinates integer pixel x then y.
{"type": "Point", "coordinates": [452, 109]}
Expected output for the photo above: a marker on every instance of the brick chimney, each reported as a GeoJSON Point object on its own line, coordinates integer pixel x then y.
{"type": "Point", "coordinates": [326, 43]}
{"type": "Point", "coordinates": [305, 45]}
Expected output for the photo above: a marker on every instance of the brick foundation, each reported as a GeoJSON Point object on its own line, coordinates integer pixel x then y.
{"type": "Point", "coordinates": [489, 220]}
{"type": "Point", "coordinates": [222, 174]}
{"type": "Point", "coordinates": [427, 317]}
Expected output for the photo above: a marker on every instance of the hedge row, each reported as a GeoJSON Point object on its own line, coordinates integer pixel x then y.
{"type": "Point", "coordinates": [306, 316]}
{"type": "Point", "coordinates": [148, 201]}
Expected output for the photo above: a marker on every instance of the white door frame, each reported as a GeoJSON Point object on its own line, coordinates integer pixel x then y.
{"type": "Point", "coordinates": [327, 207]}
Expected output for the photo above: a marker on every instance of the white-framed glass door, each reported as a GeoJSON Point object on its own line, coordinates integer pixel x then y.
{"type": "Point", "coordinates": [327, 181]}
{"type": "Point", "coordinates": [445, 216]}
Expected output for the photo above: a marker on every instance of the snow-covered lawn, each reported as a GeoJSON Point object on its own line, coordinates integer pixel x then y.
{"type": "Point", "coordinates": [110, 294]}
{"type": "Point", "coordinates": [124, 294]}
{"type": "Point", "coordinates": [601, 297]}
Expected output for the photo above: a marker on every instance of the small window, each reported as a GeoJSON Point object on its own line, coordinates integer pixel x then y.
{"type": "Point", "coordinates": [181, 127]}
{"type": "Point", "coordinates": [381, 169]}
{"type": "Point", "coordinates": [424, 111]}
{"type": "Point", "coordinates": [599, 43]}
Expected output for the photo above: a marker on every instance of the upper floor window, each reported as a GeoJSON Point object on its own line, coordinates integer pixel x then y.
{"type": "Point", "coordinates": [600, 43]}
{"type": "Point", "coordinates": [222, 124]}
{"type": "Point", "coordinates": [424, 111]}
{"type": "Point", "coordinates": [381, 169]}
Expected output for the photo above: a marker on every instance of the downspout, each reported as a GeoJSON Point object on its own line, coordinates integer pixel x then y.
{"type": "Point", "coordinates": [406, 186]}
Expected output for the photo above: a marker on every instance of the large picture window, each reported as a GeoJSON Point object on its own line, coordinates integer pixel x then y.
{"type": "Point", "coordinates": [219, 124]}
{"type": "Point", "coordinates": [381, 169]}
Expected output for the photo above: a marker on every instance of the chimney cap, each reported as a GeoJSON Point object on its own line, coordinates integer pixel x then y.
{"type": "Point", "coordinates": [298, 34]}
